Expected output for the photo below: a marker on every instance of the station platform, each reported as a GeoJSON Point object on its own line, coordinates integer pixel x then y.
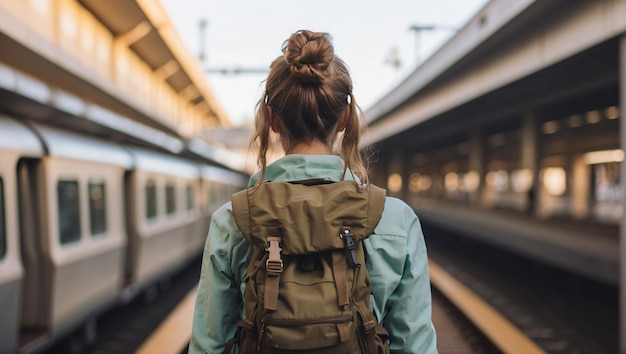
{"type": "Point", "coordinates": [585, 247]}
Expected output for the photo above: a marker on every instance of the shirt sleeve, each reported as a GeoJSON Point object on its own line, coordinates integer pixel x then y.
{"type": "Point", "coordinates": [408, 310]}
{"type": "Point", "coordinates": [218, 305]}
{"type": "Point", "coordinates": [412, 298]}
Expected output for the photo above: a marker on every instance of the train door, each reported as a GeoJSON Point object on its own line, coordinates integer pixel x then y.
{"type": "Point", "coordinates": [11, 270]}
{"type": "Point", "coordinates": [131, 232]}
{"type": "Point", "coordinates": [35, 309]}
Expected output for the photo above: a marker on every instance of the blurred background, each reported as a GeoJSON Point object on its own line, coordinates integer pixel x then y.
{"type": "Point", "coordinates": [125, 124]}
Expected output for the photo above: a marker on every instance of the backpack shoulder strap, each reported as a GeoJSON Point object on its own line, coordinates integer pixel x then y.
{"type": "Point", "coordinates": [241, 211]}
{"type": "Point", "coordinates": [376, 205]}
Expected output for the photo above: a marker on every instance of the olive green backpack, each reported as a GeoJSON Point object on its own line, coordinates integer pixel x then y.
{"type": "Point", "coordinates": [307, 288]}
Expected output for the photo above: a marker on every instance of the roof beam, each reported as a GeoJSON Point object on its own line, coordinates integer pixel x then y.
{"type": "Point", "coordinates": [167, 70]}
{"type": "Point", "coordinates": [137, 33]}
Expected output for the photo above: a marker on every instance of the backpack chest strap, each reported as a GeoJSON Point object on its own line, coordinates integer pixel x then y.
{"type": "Point", "coordinates": [273, 268]}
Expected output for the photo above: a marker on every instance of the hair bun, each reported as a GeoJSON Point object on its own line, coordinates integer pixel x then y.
{"type": "Point", "coordinates": [309, 54]}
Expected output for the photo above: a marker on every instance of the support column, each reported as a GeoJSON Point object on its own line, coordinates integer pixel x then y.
{"type": "Point", "coordinates": [622, 114]}
{"type": "Point", "coordinates": [477, 164]}
{"type": "Point", "coordinates": [530, 159]}
{"type": "Point", "coordinates": [581, 182]}
{"type": "Point", "coordinates": [405, 172]}
{"type": "Point", "coordinates": [438, 191]}
{"type": "Point", "coordinates": [397, 180]}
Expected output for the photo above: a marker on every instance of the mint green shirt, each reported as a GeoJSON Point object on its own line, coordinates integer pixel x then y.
{"type": "Point", "coordinates": [396, 262]}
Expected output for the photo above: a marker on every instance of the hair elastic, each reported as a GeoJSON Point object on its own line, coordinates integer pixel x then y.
{"type": "Point", "coordinates": [349, 99]}
{"type": "Point", "coordinates": [267, 99]}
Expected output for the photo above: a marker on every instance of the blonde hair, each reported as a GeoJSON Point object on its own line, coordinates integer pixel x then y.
{"type": "Point", "coordinates": [308, 88]}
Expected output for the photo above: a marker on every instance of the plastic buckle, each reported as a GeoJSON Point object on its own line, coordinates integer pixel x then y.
{"type": "Point", "coordinates": [274, 264]}
{"type": "Point", "coordinates": [274, 267]}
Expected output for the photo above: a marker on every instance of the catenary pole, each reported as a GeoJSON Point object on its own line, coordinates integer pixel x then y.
{"type": "Point", "coordinates": [622, 105]}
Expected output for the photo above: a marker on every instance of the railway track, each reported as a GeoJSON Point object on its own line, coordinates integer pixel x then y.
{"type": "Point", "coordinates": [558, 311]}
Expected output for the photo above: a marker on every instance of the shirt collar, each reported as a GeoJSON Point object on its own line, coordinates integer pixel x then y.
{"type": "Point", "coordinates": [296, 167]}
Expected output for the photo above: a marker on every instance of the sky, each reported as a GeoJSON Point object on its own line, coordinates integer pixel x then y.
{"type": "Point", "coordinates": [248, 34]}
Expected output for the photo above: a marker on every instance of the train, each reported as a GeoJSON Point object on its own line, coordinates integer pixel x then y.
{"type": "Point", "coordinates": [88, 223]}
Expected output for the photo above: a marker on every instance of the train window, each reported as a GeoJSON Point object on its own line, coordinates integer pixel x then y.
{"type": "Point", "coordinates": [3, 234]}
{"type": "Point", "coordinates": [170, 198]}
{"type": "Point", "coordinates": [151, 207]}
{"type": "Point", "coordinates": [69, 211]}
{"type": "Point", "coordinates": [190, 194]}
{"type": "Point", "coordinates": [97, 208]}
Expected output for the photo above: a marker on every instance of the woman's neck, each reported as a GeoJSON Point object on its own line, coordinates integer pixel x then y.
{"type": "Point", "coordinates": [314, 147]}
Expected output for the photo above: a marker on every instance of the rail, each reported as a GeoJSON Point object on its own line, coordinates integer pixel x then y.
{"type": "Point", "coordinates": [500, 331]}
{"type": "Point", "coordinates": [172, 336]}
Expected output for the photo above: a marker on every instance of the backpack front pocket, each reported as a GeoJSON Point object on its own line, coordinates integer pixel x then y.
{"type": "Point", "coordinates": [309, 334]}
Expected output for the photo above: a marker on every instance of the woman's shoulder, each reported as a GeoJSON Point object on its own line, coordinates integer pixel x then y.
{"type": "Point", "coordinates": [224, 231]}
{"type": "Point", "coordinates": [397, 218]}
{"type": "Point", "coordinates": [225, 212]}
{"type": "Point", "coordinates": [223, 219]}
{"type": "Point", "coordinates": [396, 203]}
{"type": "Point", "coordinates": [397, 206]}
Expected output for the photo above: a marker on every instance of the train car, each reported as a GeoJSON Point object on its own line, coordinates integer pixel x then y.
{"type": "Point", "coordinates": [87, 224]}
{"type": "Point", "coordinates": [163, 213]}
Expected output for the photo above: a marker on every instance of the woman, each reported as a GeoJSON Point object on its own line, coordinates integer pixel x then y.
{"type": "Point", "coordinates": [308, 102]}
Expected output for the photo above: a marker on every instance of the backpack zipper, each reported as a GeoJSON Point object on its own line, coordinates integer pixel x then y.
{"type": "Point", "coordinates": [288, 323]}
{"type": "Point", "coordinates": [291, 323]}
